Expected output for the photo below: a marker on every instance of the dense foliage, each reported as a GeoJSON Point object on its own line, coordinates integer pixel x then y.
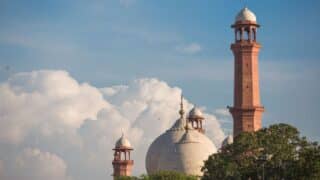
{"type": "Point", "coordinates": [275, 153]}
{"type": "Point", "coordinates": [162, 175]}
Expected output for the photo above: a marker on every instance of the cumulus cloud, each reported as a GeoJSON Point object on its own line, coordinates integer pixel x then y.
{"type": "Point", "coordinates": [192, 48]}
{"type": "Point", "coordinates": [223, 112]}
{"type": "Point", "coordinates": [75, 125]}
{"type": "Point", "coordinates": [48, 100]}
{"type": "Point", "coordinates": [37, 165]}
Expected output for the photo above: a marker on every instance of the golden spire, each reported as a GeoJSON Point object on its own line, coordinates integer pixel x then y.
{"type": "Point", "coordinates": [181, 112]}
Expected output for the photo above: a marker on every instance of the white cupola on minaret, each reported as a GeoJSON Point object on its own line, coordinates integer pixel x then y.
{"type": "Point", "coordinates": [196, 118]}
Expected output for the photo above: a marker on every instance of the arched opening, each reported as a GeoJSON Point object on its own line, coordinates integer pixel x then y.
{"type": "Point", "coordinates": [248, 34]}
{"type": "Point", "coordinates": [238, 34]}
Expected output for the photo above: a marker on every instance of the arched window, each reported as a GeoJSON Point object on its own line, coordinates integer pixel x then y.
{"type": "Point", "coordinates": [254, 34]}
{"type": "Point", "coordinates": [238, 34]}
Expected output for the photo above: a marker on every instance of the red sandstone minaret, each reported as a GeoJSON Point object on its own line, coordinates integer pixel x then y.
{"type": "Point", "coordinates": [122, 163]}
{"type": "Point", "coordinates": [247, 109]}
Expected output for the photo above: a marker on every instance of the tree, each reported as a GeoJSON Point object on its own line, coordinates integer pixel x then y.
{"type": "Point", "coordinates": [170, 175]}
{"type": "Point", "coordinates": [273, 153]}
{"type": "Point", "coordinates": [162, 175]}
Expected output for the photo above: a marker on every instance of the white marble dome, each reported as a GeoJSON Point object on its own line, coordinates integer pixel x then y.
{"type": "Point", "coordinates": [246, 15]}
{"type": "Point", "coordinates": [195, 113]}
{"type": "Point", "coordinates": [179, 149]}
{"type": "Point", "coordinates": [123, 143]}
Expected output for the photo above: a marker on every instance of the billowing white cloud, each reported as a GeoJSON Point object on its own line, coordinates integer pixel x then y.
{"type": "Point", "coordinates": [48, 100]}
{"type": "Point", "coordinates": [79, 124]}
{"type": "Point", "coordinates": [222, 112]}
{"type": "Point", "coordinates": [37, 165]}
{"type": "Point", "coordinates": [192, 48]}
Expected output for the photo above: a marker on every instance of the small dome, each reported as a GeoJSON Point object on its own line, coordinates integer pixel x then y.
{"type": "Point", "coordinates": [196, 113]}
{"type": "Point", "coordinates": [228, 140]}
{"type": "Point", "coordinates": [123, 143]}
{"type": "Point", "coordinates": [246, 15]}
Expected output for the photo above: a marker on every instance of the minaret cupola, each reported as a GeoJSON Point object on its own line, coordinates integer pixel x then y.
{"type": "Point", "coordinates": [245, 26]}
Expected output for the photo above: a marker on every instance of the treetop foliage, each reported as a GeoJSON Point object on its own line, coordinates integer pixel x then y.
{"type": "Point", "coordinates": [277, 152]}
{"type": "Point", "coordinates": [162, 175]}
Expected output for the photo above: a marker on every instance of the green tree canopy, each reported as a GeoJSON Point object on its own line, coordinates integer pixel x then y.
{"type": "Point", "coordinates": [276, 153]}
{"type": "Point", "coordinates": [162, 175]}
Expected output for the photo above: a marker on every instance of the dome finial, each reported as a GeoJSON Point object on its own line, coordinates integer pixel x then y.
{"type": "Point", "coordinates": [244, 3]}
{"type": "Point", "coordinates": [181, 112]}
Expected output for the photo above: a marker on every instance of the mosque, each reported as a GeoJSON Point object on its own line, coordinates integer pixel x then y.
{"type": "Point", "coordinates": [184, 147]}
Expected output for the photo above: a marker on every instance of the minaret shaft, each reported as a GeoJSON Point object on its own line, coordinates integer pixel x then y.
{"type": "Point", "coordinates": [246, 74]}
{"type": "Point", "coordinates": [246, 110]}
{"type": "Point", "coordinates": [122, 168]}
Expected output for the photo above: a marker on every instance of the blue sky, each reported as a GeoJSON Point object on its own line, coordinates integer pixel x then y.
{"type": "Point", "coordinates": [185, 43]}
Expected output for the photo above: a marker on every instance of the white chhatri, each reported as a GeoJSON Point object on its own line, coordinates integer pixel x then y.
{"type": "Point", "coordinates": [227, 141]}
